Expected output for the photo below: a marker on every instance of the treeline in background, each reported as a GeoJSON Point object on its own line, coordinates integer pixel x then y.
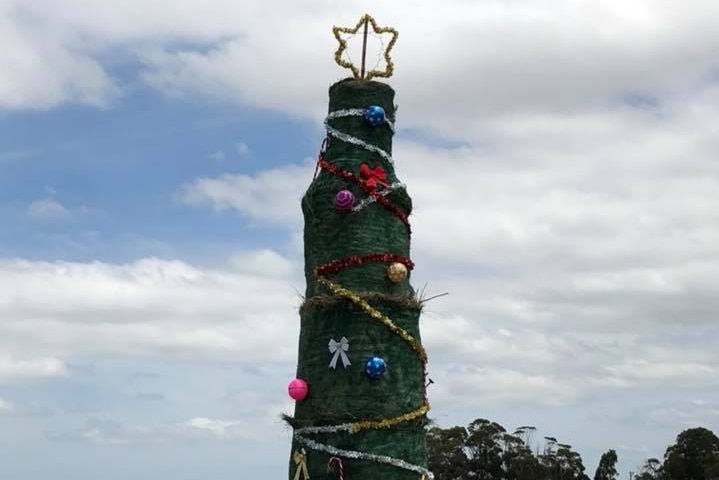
{"type": "Point", "coordinates": [484, 450]}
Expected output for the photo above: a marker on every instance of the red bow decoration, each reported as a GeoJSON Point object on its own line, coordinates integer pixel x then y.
{"type": "Point", "coordinates": [373, 177]}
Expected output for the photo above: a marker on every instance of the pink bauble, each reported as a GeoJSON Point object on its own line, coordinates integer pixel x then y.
{"type": "Point", "coordinates": [297, 389]}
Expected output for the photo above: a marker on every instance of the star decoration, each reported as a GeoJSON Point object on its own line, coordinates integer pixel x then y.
{"type": "Point", "coordinates": [387, 72]}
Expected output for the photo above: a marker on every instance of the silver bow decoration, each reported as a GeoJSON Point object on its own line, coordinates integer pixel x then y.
{"type": "Point", "coordinates": [339, 349]}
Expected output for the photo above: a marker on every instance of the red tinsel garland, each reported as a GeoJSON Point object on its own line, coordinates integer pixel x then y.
{"type": "Point", "coordinates": [336, 265]}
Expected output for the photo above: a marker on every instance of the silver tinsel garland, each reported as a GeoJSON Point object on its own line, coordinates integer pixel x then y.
{"type": "Point", "coordinates": [395, 462]}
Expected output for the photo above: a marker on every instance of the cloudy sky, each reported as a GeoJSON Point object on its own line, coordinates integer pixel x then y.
{"type": "Point", "coordinates": [561, 156]}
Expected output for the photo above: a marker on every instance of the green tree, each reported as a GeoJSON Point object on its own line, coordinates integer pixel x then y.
{"type": "Point", "coordinates": [570, 464]}
{"type": "Point", "coordinates": [519, 462]}
{"type": "Point", "coordinates": [712, 470]}
{"type": "Point", "coordinates": [560, 462]}
{"type": "Point", "coordinates": [651, 470]}
{"type": "Point", "coordinates": [607, 468]}
{"type": "Point", "coordinates": [485, 449]}
{"type": "Point", "coordinates": [446, 455]}
{"type": "Point", "coordinates": [694, 456]}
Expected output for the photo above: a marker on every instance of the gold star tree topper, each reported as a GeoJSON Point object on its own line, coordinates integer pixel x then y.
{"type": "Point", "coordinates": [360, 72]}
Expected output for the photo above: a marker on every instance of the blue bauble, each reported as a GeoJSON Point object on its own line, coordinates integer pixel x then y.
{"type": "Point", "coordinates": [374, 367]}
{"type": "Point", "coordinates": [374, 115]}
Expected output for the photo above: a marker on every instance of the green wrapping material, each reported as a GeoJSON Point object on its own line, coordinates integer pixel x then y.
{"type": "Point", "coordinates": [345, 395]}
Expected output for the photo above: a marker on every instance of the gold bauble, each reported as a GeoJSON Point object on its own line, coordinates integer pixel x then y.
{"type": "Point", "coordinates": [397, 272]}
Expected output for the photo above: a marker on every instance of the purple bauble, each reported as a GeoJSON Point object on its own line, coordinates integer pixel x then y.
{"type": "Point", "coordinates": [344, 200]}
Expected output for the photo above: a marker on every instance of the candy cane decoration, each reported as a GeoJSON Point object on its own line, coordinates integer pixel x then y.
{"type": "Point", "coordinates": [340, 467]}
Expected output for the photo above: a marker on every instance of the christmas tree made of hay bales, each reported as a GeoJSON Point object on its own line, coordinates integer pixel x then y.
{"type": "Point", "coordinates": [360, 389]}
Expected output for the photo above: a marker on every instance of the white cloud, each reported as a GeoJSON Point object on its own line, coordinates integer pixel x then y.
{"type": "Point", "coordinates": [51, 209]}
{"type": "Point", "coordinates": [6, 407]}
{"type": "Point", "coordinates": [42, 68]}
{"type": "Point", "coordinates": [463, 338]}
{"type": "Point", "coordinates": [218, 428]}
{"type": "Point", "coordinates": [106, 432]}
{"type": "Point", "coordinates": [242, 148]}
{"type": "Point", "coordinates": [472, 387]}
{"type": "Point", "coordinates": [149, 306]}
{"type": "Point", "coordinates": [263, 263]}
{"type": "Point", "coordinates": [100, 432]}
{"type": "Point", "coordinates": [47, 209]}
{"type": "Point", "coordinates": [541, 65]}
{"type": "Point", "coordinates": [54, 49]}
{"type": "Point", "coordinates": [13, 369]}
{"type": "Point", "coordinates": [629, 48]}
{"type": "Point", "coordinates": [636, 372]}
{"type": "Point", "coordinates": [218, 155]}
{"type": "Point", "coordinates": [11, 155]}
{"type": "Point", "coordinates": [689, 413]}
{"type": "Point", "coordinates": [270, 196]}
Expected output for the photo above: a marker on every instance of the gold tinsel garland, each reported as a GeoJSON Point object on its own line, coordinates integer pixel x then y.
{"type": "Point", "coordinates": [376, 315]}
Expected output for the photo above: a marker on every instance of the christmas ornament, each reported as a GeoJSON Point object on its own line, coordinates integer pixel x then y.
{"type": "Point", "coordinates": [374, 367]}
{"type": "Point", "coordinates": [340, 467]}
{"type": "Point", "coordinates": [374, 115]}
{"type": "Point", "coordinates": [339, 350]}
{"type": "Point", "coordinates": [297, 389]}
{"type": "Point", "coordinates": [300, 459]}
{"type": "Point", "coordinates": [374, 176]}
{"type": "Point", "coordinates": [344, 200]}
{"type": "Point", "coordinates": [397, 272]}
{"type": "Point", "coordinates": [366, 21]}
